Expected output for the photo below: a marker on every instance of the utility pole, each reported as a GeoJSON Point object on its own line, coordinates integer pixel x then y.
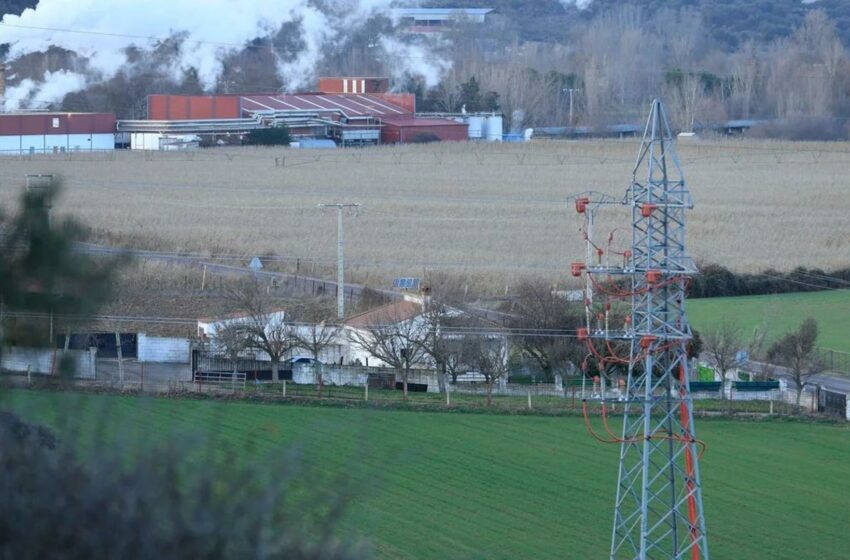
{"type": "Point", "coordinates": [571, 91]}
{"type": "Point", "coordinates": [340, 276]}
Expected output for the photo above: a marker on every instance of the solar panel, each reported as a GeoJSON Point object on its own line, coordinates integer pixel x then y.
{"type": "Point", "coordinates": [406, 283]}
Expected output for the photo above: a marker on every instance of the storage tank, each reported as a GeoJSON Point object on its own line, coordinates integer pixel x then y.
{"type": "Point", "coordinates": [494, 128]}
{"type": "Point", "coordinates": [476, 127]}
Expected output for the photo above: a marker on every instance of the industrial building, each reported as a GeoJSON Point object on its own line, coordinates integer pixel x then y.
{"type": "Point", "coordinates": [50, 133]}
{"type": "Point", "coordinates": [348, 110]}
{"type": "Point", "coordinates": [435, 20]}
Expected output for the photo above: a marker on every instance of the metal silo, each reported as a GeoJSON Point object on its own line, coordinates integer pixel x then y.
{"type": "Point", "coordinates": [494, 128]}
{"type": "Point", "coordinates": [476, 127]}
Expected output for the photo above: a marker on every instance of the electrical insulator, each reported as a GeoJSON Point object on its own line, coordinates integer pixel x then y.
{"type": "Point", "coordinates": [647, 209]}
{"type": "Point", "coordinates": [576, 268]}
{"type": "Point", "coordinates": [647, 341]}
{"type": "Point", "coordinates": [581, 204]}
{"type": "Point", "coordinates": [582, 334]}
{"type": "Point", "coordinates": [653, 276]}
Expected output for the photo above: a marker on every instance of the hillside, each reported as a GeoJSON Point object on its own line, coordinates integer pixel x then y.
{"type": "Point", "coordinates": [476, 486]}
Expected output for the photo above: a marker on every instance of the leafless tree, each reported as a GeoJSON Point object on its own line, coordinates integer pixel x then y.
{"type": "Point", "coordinates": [796, 351]}
{"type": "Point", "coordinates": [264, 325]}
{"type": "Point", "coordinates": [490, 358]}
{"type": "Point", "coordinates": [395, 340]}
{"type": "Point", "coordinates": [722, 342]}
{"type": "Point", "coordinates": [315, 332]}
{"type": "Point", "coordinates": [757, 349]}
{"type": "Point", "coordinates": [546, 320]}
{"type": "Point", "coordinates": [231, 340]}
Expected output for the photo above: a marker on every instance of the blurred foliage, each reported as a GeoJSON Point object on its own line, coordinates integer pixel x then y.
{"type": "Point", "coordinates": [161, 505]}
{"type": "Point", "coordinates": [40, 272]}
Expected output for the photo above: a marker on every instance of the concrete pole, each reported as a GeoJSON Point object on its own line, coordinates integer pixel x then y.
{"type": "Point", "coordinates": [340, 274]}
{"type": "Point", "coordinates": [340, 267]}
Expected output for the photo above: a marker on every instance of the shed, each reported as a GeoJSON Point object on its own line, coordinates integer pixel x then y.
{"type": "Point", "coordinates": [398, 130]}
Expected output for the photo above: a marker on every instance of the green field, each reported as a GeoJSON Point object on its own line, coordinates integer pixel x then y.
{"type": "Point", "coordinates": [479, 486]}
{"type": "Point", "coordinates": [779, 314]}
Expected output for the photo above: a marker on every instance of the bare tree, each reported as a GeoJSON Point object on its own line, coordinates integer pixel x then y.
{"type": "Point", "coordinates": [231, 340]}
{"type": "Point", "coordinates": [721, 342]}
{"type": "Point", "coordinates": [797, 352]}
{"type": "Point", "coordinates": [395, 340]}
{"type": "Point", "coordinates": [316, 332]}
{"type": "Point", "coordinates": [265, 326]}
{"type": "Point", "coordinates": [491, 359]}
{"type": "Point", "coordinates": [546, 320]}
{"type": "Point", "coordinates": [757, 348]}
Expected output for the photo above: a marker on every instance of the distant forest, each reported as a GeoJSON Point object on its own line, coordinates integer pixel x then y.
{"type": "Point", "coordinates": [784, 63]}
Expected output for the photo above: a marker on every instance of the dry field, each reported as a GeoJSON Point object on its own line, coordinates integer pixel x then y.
{"type": "Point", "coordinates": [489, 211]}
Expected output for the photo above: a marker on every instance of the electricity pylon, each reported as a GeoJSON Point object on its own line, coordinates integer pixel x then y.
{"type": "Point", "coordinates": [659, 510]}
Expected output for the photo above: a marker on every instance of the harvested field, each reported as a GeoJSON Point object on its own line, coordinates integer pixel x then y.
{"type": "Point", "coordinates": [478, 209]}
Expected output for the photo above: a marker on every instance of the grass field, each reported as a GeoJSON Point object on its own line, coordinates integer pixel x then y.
{"type": "Point", "coordinates": [475, 486]}
{"type": "Point", "coordinates": [779, 314]}
{"type": "Point", "coordinates": [493, 211]}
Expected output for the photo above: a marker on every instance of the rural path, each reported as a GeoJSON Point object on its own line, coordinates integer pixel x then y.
{"type": "Point", "coordinates": [305, 282]}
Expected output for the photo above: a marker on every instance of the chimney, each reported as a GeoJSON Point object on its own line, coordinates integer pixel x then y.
{"type": "Point", "coordinates": [2, 85]}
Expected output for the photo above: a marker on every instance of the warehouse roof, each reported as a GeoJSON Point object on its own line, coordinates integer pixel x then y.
{"type": "Point", "coordinates": [356, 105]}
{"type": "Point", "coordinates": [440, 13]}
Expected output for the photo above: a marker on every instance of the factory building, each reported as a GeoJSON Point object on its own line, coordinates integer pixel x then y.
{"type": "Point", "coordinates": [435, 20]}
{"type": "Point", "coordinates": [51, 133]}
{"type": "Point", "coordinates": [349, 111]}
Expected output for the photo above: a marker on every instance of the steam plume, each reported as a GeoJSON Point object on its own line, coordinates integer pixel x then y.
{"type": "Point", "coordinates": [102, 31]}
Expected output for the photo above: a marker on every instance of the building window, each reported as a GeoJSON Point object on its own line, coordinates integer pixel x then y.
{"type": "Point", "coordinates": [55, 122]}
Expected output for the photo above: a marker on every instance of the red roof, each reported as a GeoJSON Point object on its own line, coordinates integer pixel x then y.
{"type": "Point", "coordinates": [389, 314]}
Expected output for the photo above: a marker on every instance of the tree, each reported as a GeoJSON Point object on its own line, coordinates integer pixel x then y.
{"type": "Point", "coordinates": [545, 319]}
{"type": "Point", "coordinates": [41, 273]}
{"type": "Point", "coordinates": [265, 327]}
{"type": "Point", "coordinates": [796, 351]}
{"type": "Point", "coordinates": [722, 342]}
{"type": "Point", "coordinates": [275, 136]}
{"type": "Point", "coordinates": [395, 340]}
{"type": "Point", "coordinates": [490, 358]}
{"type": "Point", "coordinates": [315, 333]}
{"type": "Point", "coordinates": [231, 339]}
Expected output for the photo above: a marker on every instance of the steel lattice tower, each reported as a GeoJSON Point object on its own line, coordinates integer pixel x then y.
{"type": "Point", "coordinates": [658, 512]}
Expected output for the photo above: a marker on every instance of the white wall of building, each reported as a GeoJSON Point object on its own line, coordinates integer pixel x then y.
{"type": "Point", "coordinates": [164, 349]}
{"type": "Point", "coordinates": [46, 361]}
{"type": "Point", "coordinates": [55, 143]}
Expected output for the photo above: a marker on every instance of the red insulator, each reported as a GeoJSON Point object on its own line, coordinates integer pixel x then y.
{"type": "Point", "coordinates": [576, 268]}
{"type": "Point", "coordinates": [627, 254]}
{"type": "Point", "coordinates": [599, 252]}
{"type": "Point", "coordinates": [600, 316]}
{"type": "Point", "coordinates": [647, 341]}
{"type": "Point", "coordinates": [581, 204]}
{"type": "Point", "coordinates": [607, 306]}
{"type": "Point", "coordinates": [647, 209]}
{"type": "Point", "coordinates": [582, 334]}
{"type": "Point", "coordinates": [653, 276]}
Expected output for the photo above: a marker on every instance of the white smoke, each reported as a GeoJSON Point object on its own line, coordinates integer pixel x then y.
{"type": "Point", "coordinates": [37, 95]}
{"type": "Point", "coordinates": [404, 58]}
{"type": "Point", "coordinates": [210, 29]}
{"type": "Point", "coordinates": [580, 4]}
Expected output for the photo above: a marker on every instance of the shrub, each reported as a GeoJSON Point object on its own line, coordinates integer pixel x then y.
{"type": "Point", "coordinates": [277, 136]}
{"type": "Point", "coordinates": [159, 505]}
